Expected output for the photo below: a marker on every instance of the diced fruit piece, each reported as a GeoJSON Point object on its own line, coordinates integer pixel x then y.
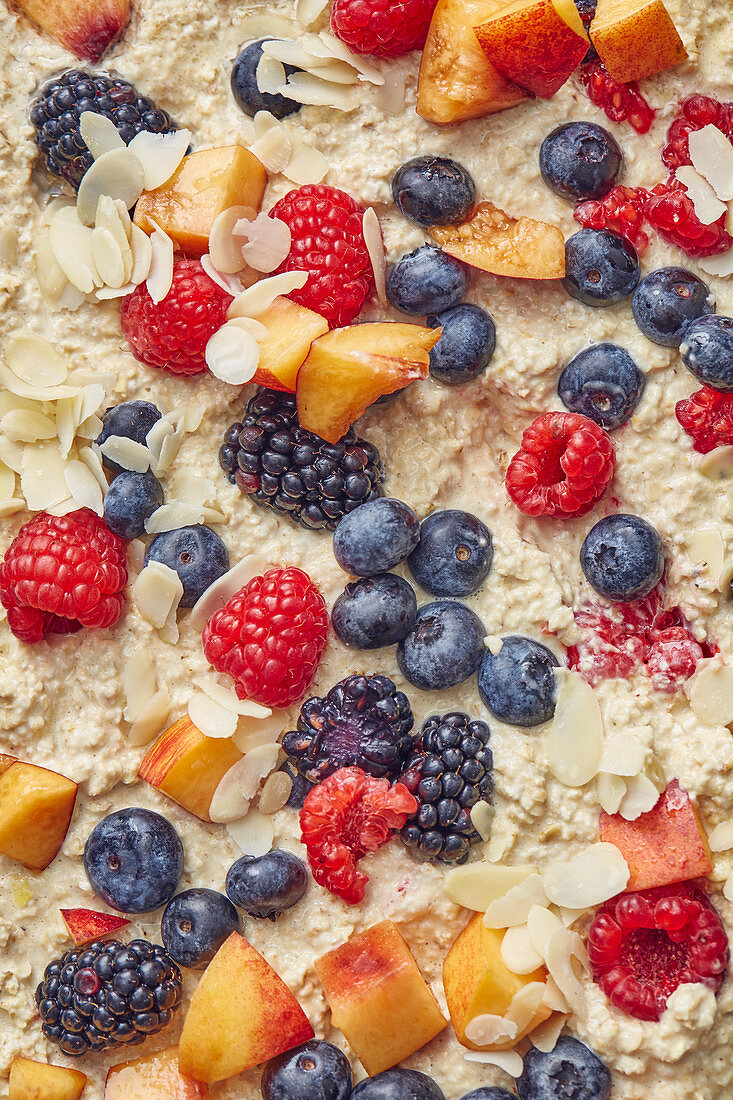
{"type": "Point", "coordinates": [635, 38]}
{"type": "Point", "coordinates": [38, 1081]}
{"type": "Point", "coordinates": [6, 762]}
{"type": "Point", "coordinates": [35, 810]}
{"type": "Point", "coordinates": [668, 844]}
{"type": "Point", "coordinates": [477, 982]}
{"type": "Point", "coordinates": [205, 184]}
{"type": "Point", "coordinates": [188, 766]}
{"type": "Point", "coordinates": [86, 925]}
{"type": "Point", "coordinates": [493, 241]}
{"type": "Point", "coordinates": [535, 43]}
{"type": "Point", "coordinates": [457, 80]}
{"type": "Point", "coordinates": [292, 329]}
{"type": "Point", "coordinates": [241, 1015]}
{"type": "Point", "coordinates": [154, 1077]}
{"type": "Point", "coordinates": [349, 368]}
{"type": "Point", "coordinates": [378, 997]}
{"type": "Point", "coordinates": [86, 27]}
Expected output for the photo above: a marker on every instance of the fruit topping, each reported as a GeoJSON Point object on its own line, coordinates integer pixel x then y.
{"type": "Point", "coordinates": [134, 860]}
{"type": "Point", "coordinates": [36, 806]}
{"type": "Point", "coordinates": [622, 558]}
{"type": "Point", "coordinates": [466, 345]}
{"type": "Point", "coordinates": [707, 417]}
{"type": "Point", "coordinates": [131, 419]}
{"type": "Point", "coordinates": [269, 637]}
{"type": "Point", "coordinates": [601, 268]}
{"type": "Point", "coordinates": [61, 573]}
{"type": "Point", "coordinates": [621, 211]}
{"type": "Point", "coordinates": [635, 38]}
{"type": "Point", "coordinates": [376, 537]}
{"type": "Point", "coordinates": [569, 1069]}
{"type": "Point", "coordinates": [291, 331]}
{"type": "Point", "coordinates": [707, 351]}
{"type": "Point", "coordinates": [195, 553]}
{"type": "Point", "coordinates": [603, 383]}
{"type": "Point", "coordinates": [432, 190]}
{"type": "Point", "coordinates": [621, 102]}
{"type": "Point", "coordinates": [246, 89]}
{"type": "Point", "coordinates": [444, 647]}
{"type": "Point", "coordinates": [521, 248]}
{"type": "Point", "coordinates": [398, 1084]}
{"type": "Point", "coordinates": [382, 28]}
{"type": "Point", "coordinates": [265, 886]}
{"type": "Point", "coordinates": [670, 210]}
{"type": "Point", "coordinates": [580, 160]}
{"type": "Point", "coordinates": [130, 500]}
{"type": "Point", "coordinates": [347, 815]}
{"type": "Point", "coordinates": [375, 611]}
{"type": "Point", "coordinates": [110, 994]}
{"type": "Point", "coordinates": [449, 771]}
{"type": "Point", "coordinates": [454, 554]}
{"type": "Point", "coordinates": [518, 684]}
{"type": "Point", "coordinates": [666, 301]}
{"type": "Point", "coordinates": [86, 925]}
{"type": "Point", "coordinates": [195, 924]}
{"type": "Point", "coordinates": [642, 946]}
{"type": "Point", "coordinates": [695, 112]}
{"type": "Point", "coordinates": [427, 280]}
{"type": "Point", "coordinates": [39, 1080]}
{"type": "Point", "coordinates": [315, 1071]}
{"type": "Point", "coordinates": [87, 27]}
{"type": "Point", "coordinates": [155, 1076]}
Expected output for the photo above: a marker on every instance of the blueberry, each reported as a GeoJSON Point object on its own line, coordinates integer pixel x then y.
{"type": "Point", "coordinates": [570, 1070]}
{"type": "Point", "coordinates": [375, 537]}
{"type": "Point", "coordinates": [427, 281]}
{"type": "Point", "coordinates": [132, 419]}
{"type": "Point", "coordinates": [667, 301]}
{"type": "Point", "coordinates": [601, 268]}
{"type": "Point", "coordinates": [245, 88]}
{"type": "Point", "coordinates": [466, 346]}
{"type": "Point", "coordinates": [301, 786]}
{"type": "Point", "coordinates": [196, 554]}
{"type": "Point", "coordinates": [134, 860]}
{"type": "Point", "coordinates": [707, 350]}
{"type": "Point", "coordinates": [432, 190]}
{"type": "Point", "coordinates": [315, 1071]}
{"type": "Point", "coordinates": [398, 1084]}
{"type": "Point", "coordinates": [518, 683]}
{"type": "Point", "coordinates": [374, 611]}
{"type": "Point", "coordinates": [603, 383]}
{"type": "Point", "coordinates": [622, 558]}
{"type": "Point", "coordinates": [264, 886]}
{"type": "Point", "coordinates": [580, 160]}
{"type": "Point", "coordinates": [444, 647]}
{"type": "Point", "coordinates": [195, 925]}
{"type": "Point", "coordinates": [454, 554]}
{"type": "Point", "coordinates": [490, 1092]}
{"type": "Point", "coordinates": [130, 500]}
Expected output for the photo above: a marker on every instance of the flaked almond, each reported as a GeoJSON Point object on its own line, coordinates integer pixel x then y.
{"type": "Point", "coordinates": [392, 95]}
{"type": "Point", "coordinates": [566, 959]}
{"type": "Point", "coordinates": [108, 258]}
{"type": "Point", "coordinates": [308, 89]}
{"type": "Point", "coordinates": [217, 594]}
{"type": "Point", "coordinates": [192, 488]}
{"type": "Point", "coordinates": [274, 149]}
{"type": "Point", "coordinates": [642, 795]}
{"type": "Point", "coordinates": [258, 763]}
{"type": "Point", "coordinates": [151, 719]}
{"type": "Point", "coordinates": [711, 695]}
{"type": "Point", "coordinates": [225, 246]}
{"type": "Point", "coordinates": [576, 735]}
{"type": "Point", "coordinates": [253, 731]}
{"type": "Point", "coordinates": [254, 834]}
{"type": "Point", "coordinates": [482, 816]}
{"type": "Point", "coordinates": [517, 951]}
{"type": "Point", "coordinates": [160, 275]}
{"type": "Point", "coordinates": [330, 46]}
{"type": "Point", "coordinates": [157, 592]}
{"type": "Point", "coordinates": [257, 299]}
{"type": "Point", "coordinates": [306, 164]}
{"type": "Point", "coordinates": [127, 453]}
{"type": "Point", "coordinates": [375, 247]}
{"type": "Point", "coordinates": [610, 791]}
{"type": "Point", "coordinates": [308, 12]}
{"type": "Point", "coordinates": [210, 717]}
{"type": "Point", "coordinates": [508, 1060]}
{"type": "Point", "coordinates": [232, 354]}
{"type": "Point", "coordinates": [525, 1004]}
{"type": "Point", "coordinates": [92, 461]}
{"type": "Point", "coordinates": [712, 155]}
{"type": "Point", "coordinates": [142, 255]}
{"type": "Point", "coordinates": [267, 241]}
{"type": "Point", "coordinates": [588, 878]}
{"type": "Point", "coordinates": [138, 682]}
{"type": "Point", "coordinates": [291, 51]}
{"type": "Point", "coordinates": [721, 265]}
{"type": "Point", "coordinates": [229, 699]}
{"type": "Point", "coordinates": [546, 1035]}
{"type": "Point", "coordinates": [11, 506]}
{"type": "Point", "coordinates": [515, 905]}
{"type": "Point", "coordinates": [110, 217]}
{"type": "Point", "coordinates": [118, 174]}
{"type": "Point", "coordinates": [15, 385]}
{"type": "Point", "coordinates": [720, 839]}
{"type": "Point", "coordinates": [275, 793]}
{"type": "Point", "coordinates": [34, 360]}
{"type": "Point", "coordinates": [71, 244]}
{"type": "Point", "coordinates": [270, 74]}
{"type": "Point", "coordinates": [477, 885]}
{"type": "Point", "coordinates": [50, 275]}
{"type": "Point", "coordinates": [717, 464]}
{"type": "Point", "coordinates": [230, 283]}
{"type": "Point", "coordinates": [707, 205]}
{"type": "Point", "coordinates": [27, 426]}
{"type": "Point", "coordinates": [486, 1030]}
{"type": "Point", "coordinates": [42, 479]}
{"type": "Point", "coordinates": [7, 482]}
{"type": "Point", "coordinates": [171, 516]}
{"type": "Point", "coordinates": [707, 549]}
{"type": "Point", "coordinates": [83, 486]}
{"type": "Point", "coordinates": [623, 754]}
{"type": "Point", "coordinates": [159, 155]}
{"type": "Point", "coordinates": [99, 133]}
{"type": "Point", "coordinates": [542, 923]}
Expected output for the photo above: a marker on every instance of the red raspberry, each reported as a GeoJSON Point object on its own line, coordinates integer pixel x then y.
{"type": "Point", "coordinates": [346, 816]}
{"type": "Point", "coordinates": [269, 637]}
{"type": "Point", "coordinates": [382, 28]}
{"type": "Point", "coordinates": [621, 102]}
{"type": "Point", "coordinates": [696, 112]}
{"type": "Point", "coordinates": [707, 417]}
{"type": "Point", "coordinates": [174, 333]}
{"type": "Point", "coordinates": [328, 243]}
{"type": "Point", "coordinates": [673, 656]}
{"type": "Point", "coordinates": [621, 211]}
{"type": "Point", "coordinates": [643, 945]}
{"type": "Point", "coordinates": [669, 209]}
{"type": "Point", "coordinates": [62, 573]}
{"type": "Point", "coordinates": [562, 467]}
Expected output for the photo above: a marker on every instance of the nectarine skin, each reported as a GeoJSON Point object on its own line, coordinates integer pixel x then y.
{"type": "Point", "coordinates": [292, 329]}
{"type": "Point", "coordinates": [86, 27]}
{"type": "Point", "coordinates": [31, 1080]}
{"type": "Point", "coordinates": [636, 38]}
{"type": "Point", "coordinates": [86, 925]}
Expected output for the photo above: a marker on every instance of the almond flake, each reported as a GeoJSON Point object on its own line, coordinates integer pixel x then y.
{"type": "Point", "coordinates": [118, 174]}
{"type": "Point", "coordinates": [477, 885]}
{"type": "Point", "coordinates": [169, 450]}
{"type": "Point", "coordinates": [524, 1005]}
{"type": "Point", "coordinates": [274, 149]}
{"type": "Point", "coordinates": [623, 755]}
{"type": "Point", "coordinates": [267, 240]}
{"type": "Point", "coordinates": [127, 453]}
{"type": "Point", "coordinates": [292, 51]}
{"type": "Point", "coordinates": [706, 547]}
{"type": "Point", "coordinates": [275, 792]}
{"type": "Point", "coordinates": [210, 717]}
{"type": "Point", "coordinates": [142, 255]}
{"type": "Point", "coordinates": [308, 12]}
{"type": "Point", "coordinates": [84, 487]}
{"type": "Point", "coordinates": [482, 816]}
{"type": "Point", "coordinates": [257, 299]}
{"type": "Point", "coordinates": [50, 275]}
{"type": "Point", "coordinates": [108, 258]}
{"type": "Point", "coordinates": [24, 426]}
{"type": "Point", "coordinates": [712, 155]}
{"type": "Point", "coordinates": [641, 796]}
{"type": "Point", "coordinates": [232, 355]}
{"type": "Point", "coordinates": [391, 96]}
{"type": "Point", "coordinates": [109, 294]}
{"type": "Point", "coordinates": [588, 878]}
{"type": "Point", "coordinates": [151, 719]}
{"type": "Point", "coordinates": [270, 74]}
{"type": "Point", "coordinates": [254, 834]}
{"type": "Point", "coordinates": [15, 385]}
{"type": "Point", "coordinates": [305, 88]}
{"type": "Point", "coordinates": [157, 435]}
{"type": "Point", "coordinates": [508, 1060]}
{"type": "Point", "coordinates": [93, 463]}
{"type": "Point", "coordinates": [229, 699]}
{"type": "Point", "coordinates": [171, 516]}
{"type": "Point", "coordinates": [138, 683]}
{"type": "Point", "coordinates": [229, 283]}
{"type": "Point", "coordinates": [576, 733]}
{"type": "Point", "coordinates": [228, 802]}
{"type": "Point", "coordinates": [7, 482]}
{"type": "Point", "coordinates": [610, 791]}
{"type": "Point", "coordinates": [265, 24]}
{"type": "Point", "coordinates": [721, 265]}
{"type": "Point", "coordinates": [71, 244]}
{"type": "Point", "coordinates": [225, 248]}
{"type": "Point", "coordinates": [542, 924]}
{"type": "Point", "coordinates": [89, 428]}
{"type": "Point", "coordinates": [711, 695]}
{"type": "Point", "coordinates": [110, 218]}
{"type": "Point", "coordinates": [554, 998]}
{"type": "Point", "coordinates": [717, 464]}
{"type": "Point", "coordinates": [11, 506]}
{"type": "Point", "coordinates": [546, 1035]}
{"type": "Point", "coordinates": [11, 455]}
{"type": "Point", "coordinates": [217, 594]}
{"type": "Point", "coordinates": [42, 479]}
{"type": "Point", "coordinates": [255, 731]}
{"type": "Point", "coordinates": [375, 247]}
{"type": "Point", "coordinates": [708, 206]}
{"type": "Point", "coordinates": [306, 165]}
{"type": "Point", "coordinates": [257, 765]}
{"type": "Point", "coordinates": [99, 133]}
{"type": "Point", "coordinates": [156, 592]}
{"type": "Point", "coordinates": [487, 1030]}
{"type": "Point", "coordinates": [515, 905]}
{"type": "Point", "coordinates": [721, 837]}
{"type": "Point", "coordinates": [517, 951]}
{"type": "Point", "coordinates": [728, 888]}
{"type": "Point", "coordinates": [330, 46]}
{"type": "Point", "coordinates": [160, 276]}
{"type": "Point", "coordinates": [34, 361]}
{"type": "Point", "coordinates": [192, 415]}
{"type": "Point", "coordinates": [193, 489]}
{"type": "Point", "coordinates": [334, 71]}
{"type": "Point", "coordinates": [566, 955]}
{"type": "Point", "coordinates": [159, 155]}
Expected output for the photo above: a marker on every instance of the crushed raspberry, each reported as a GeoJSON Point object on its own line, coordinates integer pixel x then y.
{"type": "Point", "coordinates": [173, 334]}
{"type": "Point", "coordinates": [643, 945]}
{"type": "Point", "coordinates": [670, 210]}
{"type": "Point", "coordinates": [621, 102]}
{"type": "Point", "coordinates": [382, 28]}
{"type": "Point", "coordinates": [62, 573]}
{"type": "Point", "coordinates": [707, 417]}
{"type": "Point", "coordinates": [672, 657]}
{"type": "Point", "coordinates": [562, 467]}
{"type": "Point", "coordinates": [269, 637]}
{"type": "Point", "coordinates": [327, 242]}
{"type": "Point", "coordinates": [621, 211]}
{"type": "Point", "coordinates": [695, 112]}
{"type": "Point", "coordinates": [346, 816]}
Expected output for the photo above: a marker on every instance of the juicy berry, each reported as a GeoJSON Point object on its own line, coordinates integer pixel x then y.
{"type": "Point", "coordinates": [134, 860]}
{"type": "Point", "coordinates": [580, 160]}
{"type": "Point", "coordinates": [195, 924]}
{"type": "Point", "coordinates": [265, 886]}
{"type": "Point", "coordinates": [518, 684]}
{"type": "Point", "coordinates": [373, 612]}
{"type": "Point", "coordinates": [444, 647]}
{"type": "Point", "coordinates": [621, 211]}
{"type": "Point", "coordinates": [603, 383]}
{"type": "Point", "coordinates": [571, 1069]}
{"type": "Point", "coordinates": [315, 1071]}
{"type": "Point", "coordinates": [382, 28]}
{"type": "Point", "coordinates": [427, 280]}
{"type": "Point", "coordinates": [707, 417]}
{"type": "Point", "coordinates": [269, 637]}
{"type": "Point", "coordinates": [431, 190]}
{"type": "Point", "coordinates": [375, 537]}
{"type": "Point", "coordinates": [491, 1092]}
{"type": "Point", "coordinates": [666, 301]}
{"type": "Point", "coordinates": [195, 553]}
{"type": "Point", "coordinates": [621, 102]}
{"type": "Point", "coordinates": [454, 554]}
{"type": "Point", "coordinates": [601, 268]}
{"type": "Point", "coordinates": [670, 210]}
{"type": "Point", "coordinates": [246, 91]}
{"type": "Point", "coordinates": [131, 419]}
{"type": "Point", "coordinates": [707, 350]}
{"type": "Point", "coordinates": [622, 558]}
{"type": "Point", "coordinates": [398, 1084]}
{"type": "Point", "coordinates": [130, 500]}
{"type": "Point", "coordinates": [695, 112]}
{"type": "Point", "coordinates": [466, 345]}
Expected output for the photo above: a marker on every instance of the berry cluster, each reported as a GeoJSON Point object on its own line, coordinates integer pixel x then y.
{"type": "Point", "coordinates": [621, 102]}
{"type": "Point", "coordinates": [695, 112]}
{"type": "Point", "coordinates": [707, 417]}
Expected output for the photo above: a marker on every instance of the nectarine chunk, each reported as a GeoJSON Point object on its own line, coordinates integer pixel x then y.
{"type": "Point", "coordinates": [37, 1081]}
{"type": "Point", "coordinates": [493, 241]}
{"type": "Point", "coordinates": [188, 766]}
{"type": "Point", "coordinates": [378, 997]}
{"type": "Point", "coordinates": [636, 38]}
{"type": "Point", "coordinates": [292, 329]}
{"type": "Point", "coordinates": [86, 925]}
{"type": "Point", "coordinates": [35, 811]}
{"type": "Point", "coordinates": [86, 27]}
{"type": "Point", "coordinates": [154, 1077]}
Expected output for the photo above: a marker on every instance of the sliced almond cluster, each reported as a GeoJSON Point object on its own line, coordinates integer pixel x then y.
{"type": "Point", "coordinates": [328, 73]}
{"type": "Point", "coordinates": [283, 153]}
{"type": "Point", "coordinates": [147, 706]}
{"type": "Point", "coordinates": [630, 778]}
{"type": "Point", "coordinates": [160, 450]}
{"type": "Point", "coordinates": [157, 592]}
{"type": "Point", "coordinates": [709, 185]}
{"type": "Point", "coordinates": [706, 548]}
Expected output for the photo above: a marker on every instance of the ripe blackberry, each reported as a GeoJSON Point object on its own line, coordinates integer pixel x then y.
{"type": "Point", "coordinates": [282, 466]}
{"type": "Point", "coordinates": [56, 111]}
{"type": "Point", "coordinates": [363, 720]}
{"type": "Point", "coordinates": [448, 773]}
{"type": "Point", "coordinates": [108, 994]}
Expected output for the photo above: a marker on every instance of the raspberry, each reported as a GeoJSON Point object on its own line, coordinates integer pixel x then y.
{"type": "Point", "coordinates": [696, 112]}
{"type": "Point", "coordinates": [382, 28]}
{"type": "Point", "coordinates": [621, 102]}
{"type": "Point", "coordinates": [707, 417]}
{"type": "Point", "coordinates": [174, 333]}
{"type": "Point", "coordinates": [643, 945]}
{"type": "Point", "coordinates": [562, 467]}
{"type": "Point", "coordinates": [62, 573]}
{"type": "Point", "coordinates": [621, 211]}
{"type": "Point", "coordinates": [673, 656]}
{"type": "Point", "coordinates": [269, 637]}
{"type": "Point", "coordinates": [328, 243]}
{"type": "Point", "coordinates": [669, 209]}
{"type": "Point", "coordinates": [346, 816]}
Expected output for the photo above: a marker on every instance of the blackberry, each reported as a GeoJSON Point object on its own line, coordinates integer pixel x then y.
{"type": "Point", "coordinates": [56, 111]}
{"type": "Point", "coordinates": [108, 994]}
{"type": "Point", "coordinates": [363, 720]}
{"type": "Point", "coordinates": [282, 466]}
{"type": "Point", "coordinates": [448, 773]}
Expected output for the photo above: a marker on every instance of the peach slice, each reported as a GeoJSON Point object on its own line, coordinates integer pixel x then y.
{"type": "Point", "coordinates": [493, 241]}
{"type": "Point", "coordinates": [86, 925]}
{"type": "Point", "coordinates": [38, 1081]}
{"type": "Point", "coordinates": [636, 38]}
{"type": "Point", "coordinates": [378, 997]}
{"type": "Point", "coordinates": [35, 811]}
{"type": "Point", "coordinates": [241, 1015]}
{"type": "Point", "coordinates": [153, 1077]}
{"type": "Point", "coordinates": [292, 329]}
{"type": "Point", "coordinates": [536, 44]}
{"type": "Point", "coordinates": [349, 368]}
{"type": "Point", "coordinates": [188, 766]}
{"type": "Point", "coordinates": [86, 27]}
{"type": "Point", "coordinates": [457, 80]}
{"type": "Point", "coordinates": [668, 844]}
{"type": "Point", "coordinates": [204, 184]}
